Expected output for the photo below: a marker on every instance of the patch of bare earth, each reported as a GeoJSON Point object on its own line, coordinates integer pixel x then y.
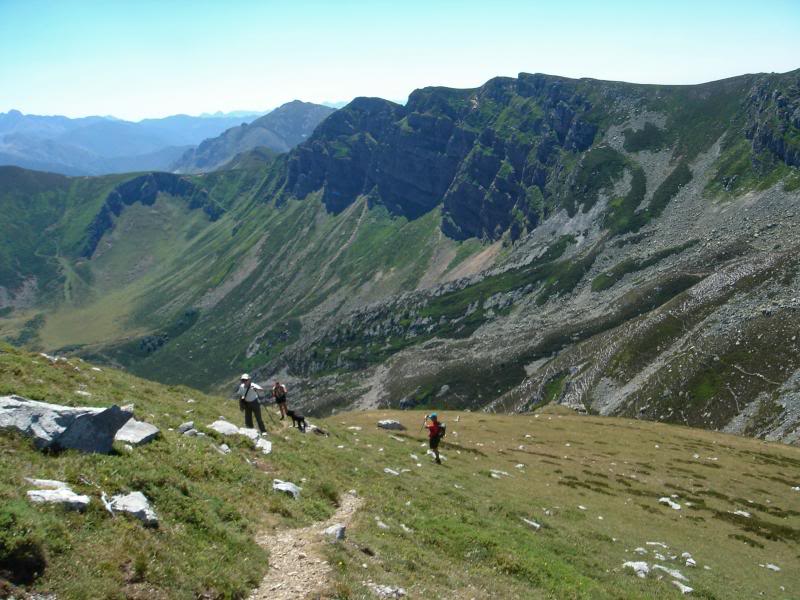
{"type": "Point", "coordinates": [296, 566]}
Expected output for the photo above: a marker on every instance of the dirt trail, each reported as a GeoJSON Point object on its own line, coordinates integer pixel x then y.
{"type": "Point", "coordinates": [296, 566]}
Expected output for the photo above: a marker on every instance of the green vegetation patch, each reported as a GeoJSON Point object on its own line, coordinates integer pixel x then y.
{"type": "Point", "coordinates": [650, 137]}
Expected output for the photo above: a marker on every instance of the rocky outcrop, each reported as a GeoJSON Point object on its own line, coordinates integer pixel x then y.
{"type": "Point", "coordinates": [57, 427]}
{"type": "Point", "coordinates": [56, 492]}
{"type": "Point", "coordinates": [774, 117]}
{"type": "Point", "coordinates": [479, 153]}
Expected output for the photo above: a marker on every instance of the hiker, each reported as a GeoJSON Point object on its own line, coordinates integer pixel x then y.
{"type": "Point", "coordinates": [248, 393]}
{"type": "Point", "coordinates": [279, 393]}
{"type": "Point", "coordinates": [436, 431]}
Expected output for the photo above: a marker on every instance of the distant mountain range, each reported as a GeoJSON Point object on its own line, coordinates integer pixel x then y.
{"type": "Point", "coordinates": [103, 145]}
{"type": "Point", "coordinates": [279, 131]}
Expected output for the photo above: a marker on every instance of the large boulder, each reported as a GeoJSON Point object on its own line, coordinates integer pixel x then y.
{"type": "Point", "coordinates": [57, 427]}
{"type": "Point", "coordinates": [137, 433]}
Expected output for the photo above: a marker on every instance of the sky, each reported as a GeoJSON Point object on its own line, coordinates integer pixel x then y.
{"type": "Point", "coordinates": [155, 58]}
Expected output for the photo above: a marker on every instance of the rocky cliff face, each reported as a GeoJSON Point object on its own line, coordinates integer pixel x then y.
{"type": "Point", "coordinates": [489, 156]}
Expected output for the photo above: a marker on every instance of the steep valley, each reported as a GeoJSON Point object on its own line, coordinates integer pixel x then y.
{"type": "Point", "coordinates": [620, 249]}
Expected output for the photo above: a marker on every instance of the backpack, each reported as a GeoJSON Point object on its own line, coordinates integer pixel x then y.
{"type": "Point", "coordinates": [442, 430]}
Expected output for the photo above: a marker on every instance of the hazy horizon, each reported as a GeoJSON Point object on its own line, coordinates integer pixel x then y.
{"type": "Point", "coordinates": [151, 60]}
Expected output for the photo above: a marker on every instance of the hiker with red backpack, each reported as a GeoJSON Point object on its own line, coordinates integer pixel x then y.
{"type": "Point", "coordinates": [436, 431]}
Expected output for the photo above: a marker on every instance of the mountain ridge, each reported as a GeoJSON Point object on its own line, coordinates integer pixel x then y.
{"type": "Point", "coordinates": [535, 239]}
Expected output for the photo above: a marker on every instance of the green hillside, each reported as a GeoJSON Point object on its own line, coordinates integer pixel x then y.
{"type": "Point", "coordinates": [592, 485]}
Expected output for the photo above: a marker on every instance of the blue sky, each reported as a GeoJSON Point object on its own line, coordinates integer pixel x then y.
{"type": "Point", "coordinates": [148, 59]}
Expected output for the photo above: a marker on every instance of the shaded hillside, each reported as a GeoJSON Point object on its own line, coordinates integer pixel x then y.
{"type": "Point", "coordinates": [620, 248]}
{"type": "Point", "coordinates": [279, 131]}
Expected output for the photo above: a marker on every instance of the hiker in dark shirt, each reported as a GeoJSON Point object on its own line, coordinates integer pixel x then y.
{"type": "Point", "coordinates": [279, 393]}
{"type": "Point", "coordinates": [436, 432]}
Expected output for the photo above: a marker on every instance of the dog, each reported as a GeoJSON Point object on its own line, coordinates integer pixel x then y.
{"type": "Point", "coordinates": [298, 420]}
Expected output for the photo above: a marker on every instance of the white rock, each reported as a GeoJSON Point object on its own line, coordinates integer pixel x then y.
{"type": "Point", "coordinates": [381, 525]}
{"type": "Point", "coordinates": [391, 424]}
{"type": "Point", "coordinates": [690, 562]}
{"type": "Point", "coordinates": [387, 591]}
{"type": "Point", "coordinates": [264, 445]}
{"type": "Point", "coordinates": [772, 567]}
{"type": "Point", "coordinates": [660, 544]}
{"type": "Point", "coordinates": [83, 393]}
{"type": "Point", "coordinates": [224, 449]}
{"type": "Point", "coordinates": [137, 433]}
{"type": "Point", "coordinates": [47, 484]}
{"type": "Point", "coordinates": [639, 567]}
{"type": "Point", "coordinates": [63, 496]}
{"type": "Point", "coordinates": [224, 427]}
{"type": "Point", "coordinates": [354, 428]}
{"type": "Point", "coordinates": [519, 466]}
{"type": "Point", "coordinates": [684, 589]}
{"type": "Point", "coordinates": [581, 507]}
{"type": "Point", "coordinates": [184, 427]}
{"type": "Point", "coordinates": [673, 572]}
{"type": "Point", "coordinates": [742, 513]}
{"type": "Point", "coordinates": [136, 505]}
{"type": "Point", "coordinates": [497, 474]}
{"type": "Point", "coordinates": [640, 551]}
{"type": "Point", "coordinates": [336, 531]}
{"type": "Point", "coordinates": [389, 471]}
{"type": "Point", "coordinates": [669, 502]}
{"type": "Point", "coordinates": [61, 427]}
{"type": "Point", "coordinates": [287, 487]}
{"type": "Point", "coordinates": [533, 524]}
{"type": "Point", "coordinates": [251, 434]}
{"type": "Point", "coordinates": [191, 432]}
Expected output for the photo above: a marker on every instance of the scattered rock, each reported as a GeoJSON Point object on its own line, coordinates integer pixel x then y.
{"type": "Point", "coordinates": [387, 591]}
{"type": "Point", "coordinates": [336, 531]}
{"type": "Point", "coordinates": [684, 589]}
{"type": "Point", "coordinates": [669, 502]}
{"type": "Point", "coordinates": [47, 484]}
{"type": "Point", "coordinates": [391, 424]}
{"type": "Point", "coordinates": [264, 445]}
{"type": "Point", "coordinates": [672, 572]}
{"type": "Point", "coordinates": [742, 513]}
{"type": "Point", "coordinates": [389, 471]}
{"type": "Point", "coordinates": [184, 427]}
{"type": "Point", "coordinates": [771, 567]}
{"type": "Point", "coordinates": [224, 449]}
{"type": "Point", "coordinates": [224, 427]}
{"type": "Point", "coordinates": [136, 505]}
{"type": "Point", "coordinates": [533, 524]}
{"type": "Point", "coordinates": [286, 487]}
{"type": "Point", "coordinates": [251, 434]}
{"type": "Point", "coordinates": [63, 496]}
{"type": "Point", "coordinates": [60, 427]}
{"type": "Point", "coordinates": [137, 433]}
{"type": "Point", "coordinates": [191, 432]}
{"type": "Point", "coordinates": [639, 567]}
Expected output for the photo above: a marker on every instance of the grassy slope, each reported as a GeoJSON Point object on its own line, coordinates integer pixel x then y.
{"type": "Point", "coordinates": [467, 539]}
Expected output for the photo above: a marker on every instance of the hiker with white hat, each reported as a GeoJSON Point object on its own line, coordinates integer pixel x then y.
{"type": "Point", "coordinates": [248, 394]}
